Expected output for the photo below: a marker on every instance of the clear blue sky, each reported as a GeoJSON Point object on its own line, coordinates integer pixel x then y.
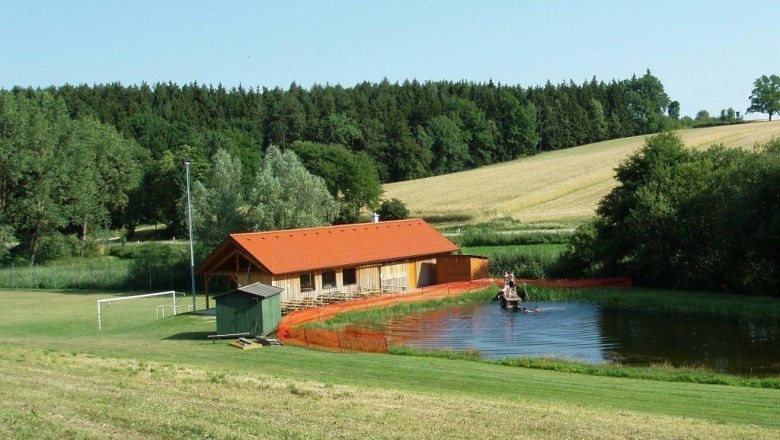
{"type": "Point", "coordinates": [706, 53]}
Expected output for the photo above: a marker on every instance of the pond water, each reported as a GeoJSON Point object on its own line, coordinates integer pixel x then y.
{"type": "Point", "coordinates": [591, 333]}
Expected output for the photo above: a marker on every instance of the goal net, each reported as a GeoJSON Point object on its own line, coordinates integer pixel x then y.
{"type": "Point", "coordinates": [135, 308]}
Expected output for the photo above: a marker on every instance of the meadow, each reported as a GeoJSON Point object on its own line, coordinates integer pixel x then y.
{"type": "Point", "coordinates": [563, 185]}
{"type": "Point", "coordinates": [146, 378]}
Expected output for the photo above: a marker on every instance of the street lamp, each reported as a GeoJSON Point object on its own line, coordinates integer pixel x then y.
{"type": "Point", "coordinates": [189, 226]}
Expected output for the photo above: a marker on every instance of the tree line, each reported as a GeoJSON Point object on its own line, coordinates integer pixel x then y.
{"type": "Point", "coordinates": [410, 130]}
{"type": "Point", "coordinates": [81, 157]}
{"type": "Point", "coordinates": [688, 219]}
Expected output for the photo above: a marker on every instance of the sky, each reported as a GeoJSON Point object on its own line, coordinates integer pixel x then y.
{"type": "Point", "coordinates": [706, 53]}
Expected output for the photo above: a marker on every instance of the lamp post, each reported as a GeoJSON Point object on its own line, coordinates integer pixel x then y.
{"type": "Point", "coordinates": [189, 227]}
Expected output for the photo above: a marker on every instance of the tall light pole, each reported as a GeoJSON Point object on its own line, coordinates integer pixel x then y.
{"type": "Point", "coordinates": [189, 226]}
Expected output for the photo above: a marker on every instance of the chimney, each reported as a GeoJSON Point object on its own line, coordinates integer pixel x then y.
{"type": "Point", "coordinates": [374, 218]}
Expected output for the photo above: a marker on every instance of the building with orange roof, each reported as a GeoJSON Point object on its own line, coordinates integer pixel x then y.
{"type": "Point", "coordinates": [312, 262]}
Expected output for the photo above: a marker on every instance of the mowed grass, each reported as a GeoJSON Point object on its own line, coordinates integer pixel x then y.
{"type": "Point", "coordinates": [563, 185]}
{"type": "Point", "coordinates": [147, 378]}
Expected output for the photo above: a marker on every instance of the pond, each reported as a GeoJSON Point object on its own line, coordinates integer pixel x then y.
{"type": "Point", "coordinates": [587, 332]}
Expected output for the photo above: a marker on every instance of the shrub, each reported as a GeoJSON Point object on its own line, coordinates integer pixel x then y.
{"type": "Point", "coordinates": [56, 246]}
{"type": "Point", "coordinates": [392, 209]}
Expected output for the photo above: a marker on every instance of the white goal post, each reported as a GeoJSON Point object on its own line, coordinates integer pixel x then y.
{"type": "Point", "coordinates": [109, 301]}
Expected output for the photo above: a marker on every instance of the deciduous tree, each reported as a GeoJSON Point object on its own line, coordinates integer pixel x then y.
{"type": "Point", "coordinates": [765, 97]}
{"type": "Point", "coordinates": [285, 195]}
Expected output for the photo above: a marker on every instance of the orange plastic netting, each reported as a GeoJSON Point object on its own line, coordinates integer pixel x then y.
{"type": "Point", "coordinates": [353, 340]}
{"type": "Point", "coordinates": [358, 340]}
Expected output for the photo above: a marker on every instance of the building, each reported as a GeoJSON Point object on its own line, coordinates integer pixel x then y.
{"type": "Point", "coordinates": [252, 309]}
{"type": "Point", "coordinates": [306, 263]}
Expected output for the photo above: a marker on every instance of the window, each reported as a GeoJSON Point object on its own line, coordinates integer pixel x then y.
{"type": "Point", "coordinates": [307, 281]}
{"type": "Point", "coordinates": [349, 276]}
{"type": "Point", "coordinates": [328, 279]}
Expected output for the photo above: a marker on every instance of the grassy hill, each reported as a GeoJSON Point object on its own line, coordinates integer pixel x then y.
{"type": "Point", "coordinates": [563, 185]}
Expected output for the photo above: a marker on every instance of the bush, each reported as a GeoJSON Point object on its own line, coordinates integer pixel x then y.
{"type": "Point", "coordinates": [57, 246]}
{"type": "Point", "coordinates": [392, 209]}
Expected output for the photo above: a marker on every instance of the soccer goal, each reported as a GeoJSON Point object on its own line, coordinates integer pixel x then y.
{"type": "Point", "coordinates": [142, 305]}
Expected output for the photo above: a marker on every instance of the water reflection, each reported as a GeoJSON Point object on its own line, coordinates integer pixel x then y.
{"type": "Point", "coordinates": [587, 332]}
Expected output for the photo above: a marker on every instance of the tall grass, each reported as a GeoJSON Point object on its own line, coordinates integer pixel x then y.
{"type": "Point", "coordinates": [103, 273]}
{"type": "Point", "coordinates": [95, 273]}
{"type": "Point", "coordinates": [488, 237]}
{"type": "Point", "coordinates": [526, 261]}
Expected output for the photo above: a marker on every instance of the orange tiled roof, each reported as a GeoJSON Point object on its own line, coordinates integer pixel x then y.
{"type": "Point", "coordinates": [299, 250]}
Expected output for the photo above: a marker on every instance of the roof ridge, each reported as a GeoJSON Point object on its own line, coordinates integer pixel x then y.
{"type": "Point", "coordinates": [348, 225]}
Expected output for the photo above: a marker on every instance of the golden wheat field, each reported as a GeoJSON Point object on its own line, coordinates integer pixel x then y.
{"type": "Point", "coordinates": [563, 185]}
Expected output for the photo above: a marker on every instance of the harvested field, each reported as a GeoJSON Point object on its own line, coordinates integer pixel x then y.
{"type": "Point", "coordinates": [560, 185]}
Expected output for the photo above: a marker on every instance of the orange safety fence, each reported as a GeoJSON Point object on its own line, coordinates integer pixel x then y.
{"type": "Point", "coordinates": [353, 340]}
{"type": "Point", "coordinates": [358, 340]}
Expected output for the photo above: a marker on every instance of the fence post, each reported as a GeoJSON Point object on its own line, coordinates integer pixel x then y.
{"type": "Point", "coordinates": [13, 274]}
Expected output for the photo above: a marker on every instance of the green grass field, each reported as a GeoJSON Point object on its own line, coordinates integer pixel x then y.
{"type": "Point", "coordinates": [147, 378]}
{"type": "Point", "coordinates": [563, 185]}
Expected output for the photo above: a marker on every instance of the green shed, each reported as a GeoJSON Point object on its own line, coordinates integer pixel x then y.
{"type": "Point", "coordinates": [253, 309]}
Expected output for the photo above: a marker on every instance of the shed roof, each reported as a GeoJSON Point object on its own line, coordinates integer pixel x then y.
{"type": "Point", "coordinates": [261, 290]}
{"type": "Point", "coordinates": [300, 250]}
{"type": "Point", "coordinates": [257, 289]}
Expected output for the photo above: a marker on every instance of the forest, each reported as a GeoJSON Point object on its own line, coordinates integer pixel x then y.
{"type": "Point", "coordinates": [81, 157]}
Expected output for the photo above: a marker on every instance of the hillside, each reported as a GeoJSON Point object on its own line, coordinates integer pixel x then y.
{"type": "Point", "coordinates": [563, 185]}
